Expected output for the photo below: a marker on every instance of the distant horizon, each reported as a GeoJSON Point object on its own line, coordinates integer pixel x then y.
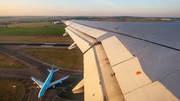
{"type": "Point", "coordinates": [140, 8]}
{"type": "Point", "coordinates": [80, 16]}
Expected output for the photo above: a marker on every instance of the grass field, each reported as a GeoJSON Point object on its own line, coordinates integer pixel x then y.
{"type": "Point", "coordinates": [61, 57]}
{"type": "Point", "coordinates": [27, 25]}
{"type": "Point", "coordinates": [8, 93]}
{"type": "Point", "coordinates": [6, 62]}
{"type": "Point", "coordinates": [46, 39]}
{"type": "Point", "coordinates": [32, 31]}
{"type": "Point", "coordinates": [37, 28]}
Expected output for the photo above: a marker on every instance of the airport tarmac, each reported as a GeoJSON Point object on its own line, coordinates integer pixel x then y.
{"type": "Point", "coordinates": [38, 69]}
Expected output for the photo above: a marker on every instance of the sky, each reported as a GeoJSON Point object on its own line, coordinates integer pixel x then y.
{"type": "Point", "coordinates": [143, 8]}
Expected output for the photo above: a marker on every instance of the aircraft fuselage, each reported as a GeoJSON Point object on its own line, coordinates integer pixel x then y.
{"type": "Point", "coordinates": [45, 85]}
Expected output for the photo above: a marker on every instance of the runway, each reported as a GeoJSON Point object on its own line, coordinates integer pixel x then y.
{"type": "Point", "coordinates": [38, 69]}
{"type": "Point", "coordinates": [36, 44]}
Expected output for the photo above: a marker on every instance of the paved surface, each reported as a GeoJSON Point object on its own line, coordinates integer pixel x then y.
{"type": "Point", "coordinates": [38, 69]}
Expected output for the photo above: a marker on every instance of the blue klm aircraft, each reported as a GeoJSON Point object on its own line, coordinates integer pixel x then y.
{"type": "Point", "coordinates": [47, 83]}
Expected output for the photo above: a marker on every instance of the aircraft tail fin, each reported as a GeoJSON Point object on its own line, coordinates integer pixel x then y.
{"type": "Point", "coordinates": [52, 66]}
{"type": "Point", "coordinates": [51, 69]}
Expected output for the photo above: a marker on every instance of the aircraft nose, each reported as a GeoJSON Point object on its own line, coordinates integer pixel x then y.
{"type": "Point", "coordinates": [39, 96]}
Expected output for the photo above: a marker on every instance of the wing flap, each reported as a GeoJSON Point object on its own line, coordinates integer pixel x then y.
{"type": "Point", "coordinates": [91, 78]}
{"type": "Point", "coordinates": [115, 51]}
{"type": "Point", "coordinates": [130, 75]}
{"type": "Point", "coordinates": [79, 88]}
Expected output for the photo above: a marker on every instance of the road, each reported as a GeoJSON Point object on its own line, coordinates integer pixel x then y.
{"type": "Point", "coordinates": [38, 69]}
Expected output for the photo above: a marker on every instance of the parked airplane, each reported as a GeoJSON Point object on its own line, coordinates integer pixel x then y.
{"type": "Point", "coordinates": [57, 22]}
{"type": "Point", "coordinates": [47, 83]}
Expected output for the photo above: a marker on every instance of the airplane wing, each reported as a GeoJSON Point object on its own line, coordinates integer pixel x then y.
{"type": "Point", "coordinates": [39, 83]}
{"type": "Point", "coordinates": [128, 61]}
{"type": "Point", "coordinates": [57, 81]}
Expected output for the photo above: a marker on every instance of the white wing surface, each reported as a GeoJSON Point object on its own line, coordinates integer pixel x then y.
{"type": "Point", "coordinates": [37, 81]}
{"type": "Point", "coordinates": [113, 58]}
{"type": "Point", "coordinates": [57, 81]}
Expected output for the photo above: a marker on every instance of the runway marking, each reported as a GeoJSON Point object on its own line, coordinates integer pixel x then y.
{"type": "Point", "coordinates": [29, 87]}
{"type": "Point", "coordinates": [23, 45]}
{"type": "Point", "coordinates": [46, 46]}
{"type": "Point", "coordinates": [23, 80]}
{"type": "Point", "coordinates": [60, 87]}
{"type": "Point", "coordinates": [19, 54]}
{"type": "Point", "coordinates": [43, 95]}
{"type": "Point", "coordinates": [29, 94]}
{"type": "Point", "coordinates": [58, 96]}
{"type": "Point", "coordinates": [40, 99]}
{"type": "Point", "coordinates": [13, 50]}
{"type": "Point", "coordinates": [54, 98]}
{"type": "Point", "coordinates": [50, 43]}
{"type": "Point", "coordinates": [63, 90]}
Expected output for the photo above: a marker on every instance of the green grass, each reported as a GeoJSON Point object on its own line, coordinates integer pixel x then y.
{"type": "Point", "coordinates": [32, 31]}
{"type": "Point", "coordinates": [27, 25]}
{"type": "Point", "coordinates": [6, 62]}
{"type": "Point", "coordinates": [37, 28]}
{"type": "Point", "coordinates": [61, 57]}
{"type": "Point", "coordinates": [8, 93]}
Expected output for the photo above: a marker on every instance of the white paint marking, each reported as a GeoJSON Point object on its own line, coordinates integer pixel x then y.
{"type": "Point", "coordinates": [46, 46]}
{"type": "Point", "coordinates": [51, 43]}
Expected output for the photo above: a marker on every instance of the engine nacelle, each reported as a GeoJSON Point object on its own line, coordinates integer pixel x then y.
{"type": "Point", "coordinates": [34, 82]}
{"type": "Point", "coordinates": [54, 86]}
